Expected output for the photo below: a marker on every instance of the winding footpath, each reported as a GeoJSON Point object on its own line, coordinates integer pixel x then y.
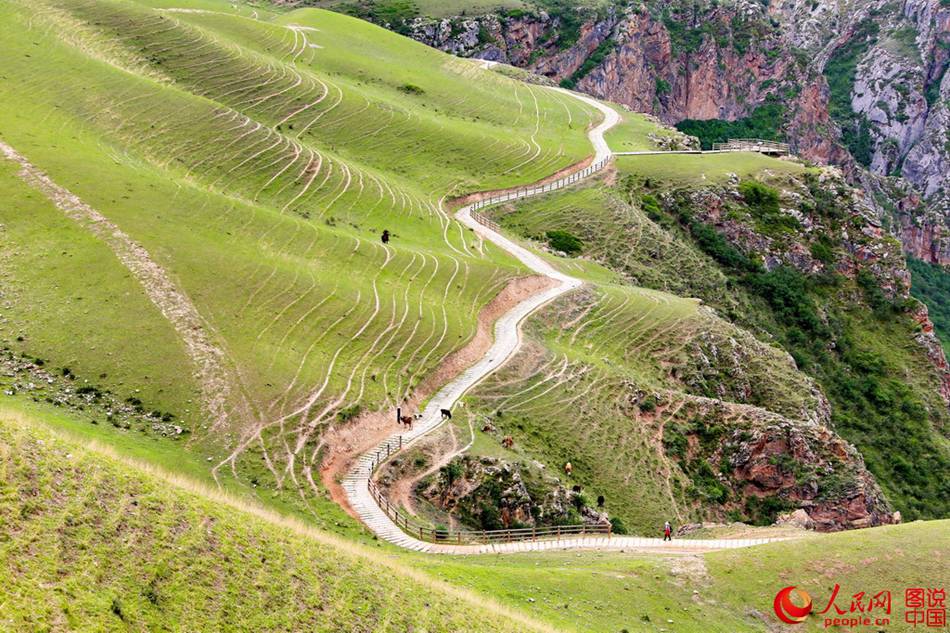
{"type": "Point", "coordinates": [507, 340]}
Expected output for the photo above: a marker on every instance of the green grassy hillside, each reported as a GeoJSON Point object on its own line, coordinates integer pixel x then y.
{"type": "Point", "coordinates": [727, 591]}
{"type": "Point", "coordinates": [94, 541]}
{"type": "Point", "coordinates": [193, 276]}
{"type": "Point", "coordinates": [249, 162]}
{"type": "Point", "coordinates": [612, 372]}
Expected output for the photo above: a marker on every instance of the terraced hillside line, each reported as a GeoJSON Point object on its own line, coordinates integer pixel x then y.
{"type": "Point", "coordinates": [507, 342]}
{"type": "Point", "coordinates": [208, 358]}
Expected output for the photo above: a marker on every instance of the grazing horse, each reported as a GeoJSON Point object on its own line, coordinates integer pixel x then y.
{"type": "Point", "coordinates": [508, 441]}
{"type": "Point", "coordinates": [407, 420]}
{"type": "Point", "coordinates": [568, 469]}
{"type": "Point", "coordinates": [446, 414]}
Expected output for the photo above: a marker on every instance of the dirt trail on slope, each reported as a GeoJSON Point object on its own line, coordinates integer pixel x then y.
{"type": "Point", "coordinates": [208, 358]}
{"type": "Point", "coordinates": [344, 444]}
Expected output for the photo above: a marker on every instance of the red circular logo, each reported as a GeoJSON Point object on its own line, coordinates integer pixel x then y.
{"type": "Point", "coordinates": [789, 612]}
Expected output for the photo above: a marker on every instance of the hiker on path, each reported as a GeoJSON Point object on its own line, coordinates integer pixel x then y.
{"type": "Point", "coordinates": [667, 531]}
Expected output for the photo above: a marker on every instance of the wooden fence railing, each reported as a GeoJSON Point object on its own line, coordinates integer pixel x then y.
{"type": "Point", "coordinates": [468, 537]}
{"type": "Point", "coordinates": [534, 190]}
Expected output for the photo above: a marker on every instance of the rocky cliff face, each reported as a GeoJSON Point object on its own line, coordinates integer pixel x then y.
{"type": "Point", "coordinates": [864, 83]}
{"type": "Point", "coordinates": [759, 467]}
{"type": "Point", "coordinates": [717, 77]}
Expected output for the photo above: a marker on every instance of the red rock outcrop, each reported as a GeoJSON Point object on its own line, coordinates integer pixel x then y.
{"type": "Point", "coordinates": [808, 468]}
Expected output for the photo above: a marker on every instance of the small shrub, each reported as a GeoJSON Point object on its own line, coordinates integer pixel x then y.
{"type": "Point", "coordinates": [564, 241]}
{"type": "Point", "coordinates": [617, 526]}
{"type": "Point", "coordinates": [648, 403]}
{"type": "Point", "coordinates": [453, 471]}
{"type": "Point", "coordinates": [580, 501]}
{"type": "Point", "coordinates": [348, 413]}
{"type": "Point", "coordinates": [675, 443]}
{"type": "Point", "coordinates": [411, 89]}
{"type": "Point", "coordinates": [823, 250]}
{"type": "Point", "coordinates": [116, 609]}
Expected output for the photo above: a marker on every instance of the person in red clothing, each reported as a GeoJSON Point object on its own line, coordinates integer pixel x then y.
{"type": "Point", "coordinates": [667, 531]}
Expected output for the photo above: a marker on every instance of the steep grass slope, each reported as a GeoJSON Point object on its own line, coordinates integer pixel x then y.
{"type": "Point", "coordinates": [91, 541]}
{"type": "Point", "coordinates": [240, 166]}
{"type": "Point", "coordinates": [681, 223]}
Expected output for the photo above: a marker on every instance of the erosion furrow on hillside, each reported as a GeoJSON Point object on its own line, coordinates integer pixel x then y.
{"type": "Point", "coordinates": [209, 359]}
